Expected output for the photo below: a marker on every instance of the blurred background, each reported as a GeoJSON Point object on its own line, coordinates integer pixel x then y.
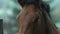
{"type": "Point", "coordinates": [10, 8]}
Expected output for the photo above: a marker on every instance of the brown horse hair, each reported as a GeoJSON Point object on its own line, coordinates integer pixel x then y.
{"type": "Point", "coordinates": [35, 20]}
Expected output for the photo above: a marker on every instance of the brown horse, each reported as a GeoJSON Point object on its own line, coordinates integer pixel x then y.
{"type": "Point", "coordinates": [34, 18]}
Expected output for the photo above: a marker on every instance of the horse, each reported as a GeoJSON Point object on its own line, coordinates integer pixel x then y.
{"type": "Point", "coordinates": [34, 18]}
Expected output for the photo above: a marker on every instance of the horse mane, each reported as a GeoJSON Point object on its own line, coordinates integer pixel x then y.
{"type": "Point", "coordinates": [37, 3]}
{"type": "Point", "coordinates": [36, 20]}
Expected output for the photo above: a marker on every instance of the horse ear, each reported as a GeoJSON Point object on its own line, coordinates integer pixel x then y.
{"type": "Point", "coordinates": [21, 3]}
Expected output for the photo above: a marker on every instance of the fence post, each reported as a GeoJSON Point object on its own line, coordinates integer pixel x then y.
{"type": "Point", "coordinates": [1, 26]}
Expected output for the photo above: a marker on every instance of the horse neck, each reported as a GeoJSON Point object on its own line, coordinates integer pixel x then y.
{"type": "Point", "coordinates": [51, 29]}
